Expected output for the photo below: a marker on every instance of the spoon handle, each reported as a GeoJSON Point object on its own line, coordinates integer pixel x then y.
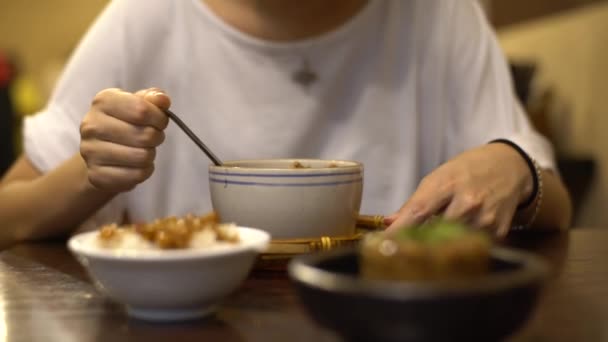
{"type": "Point", "coordinates": [193, 137]}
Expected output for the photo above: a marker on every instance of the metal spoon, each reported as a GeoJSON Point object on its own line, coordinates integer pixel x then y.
{"type": "Point", "coordinates": [193, 137]}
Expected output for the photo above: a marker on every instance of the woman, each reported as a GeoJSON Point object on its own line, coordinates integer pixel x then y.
{"type": "Point", "coordinates": [413, 89]}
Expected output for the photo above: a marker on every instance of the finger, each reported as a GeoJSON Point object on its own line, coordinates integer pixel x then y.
{"type": "Point", "coordinates": [424, 203]}
{"type": "Point", "coordinates": [156, 96]}
{"type": "Point", "coordinates": [131, 108]}
{"type": "Point", "coordinates": [99, 126]}
{"type": "Point", "coordinates": [103, 153]}
{"type": "Point", "coordinates": [503, 228]}
{"type": "Point", "coordinates": [388, 220]}
{"type": "Point", "coordinates": [506, 222]}
{"type": "Point", "coordinates": [118, 179]}
{"type": "Point", "coordinates": [486, 220]}
{"type": "Point", "coordinates": [464, 206]}
{"type": "Point", "coordinates": [495, 217]}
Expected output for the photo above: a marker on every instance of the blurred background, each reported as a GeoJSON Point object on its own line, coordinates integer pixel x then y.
{"type": "Point", "coordinates": [558, 50]}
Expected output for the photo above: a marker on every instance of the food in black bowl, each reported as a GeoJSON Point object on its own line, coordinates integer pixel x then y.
{"type": "Point", "coordinates": [449, 296]}
{"type": "Point", "coordinates": [437, 250]}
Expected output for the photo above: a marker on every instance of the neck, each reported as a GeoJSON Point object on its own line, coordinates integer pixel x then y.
{"type": "Point", "coordinates": [283, 20]}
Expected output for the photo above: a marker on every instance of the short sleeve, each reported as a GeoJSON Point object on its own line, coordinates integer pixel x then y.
{"type": "Point", "coordinates": [481, 95]}
{"type": "Point", "coordinates": [52, 136]}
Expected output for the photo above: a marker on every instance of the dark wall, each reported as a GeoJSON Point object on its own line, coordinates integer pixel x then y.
{"type": "Point", "coordinates": [7, 75]}
{"type": "Point", "coordinates": [7, 149]}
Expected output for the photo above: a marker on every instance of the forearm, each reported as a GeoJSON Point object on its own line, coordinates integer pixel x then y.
{"type": "Point", "coordinates": [49, 205]}
{"type": "Point", "coordinates": [555, 210]}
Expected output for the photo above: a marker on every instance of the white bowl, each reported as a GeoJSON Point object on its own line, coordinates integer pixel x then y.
{"type": "Point", "coordinates": [289, 202]}
{"type": "Point", "coordinates": [169, 285]}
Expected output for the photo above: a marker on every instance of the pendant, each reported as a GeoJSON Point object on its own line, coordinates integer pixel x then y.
{"type": "Point", "coordinates": [305, 76]}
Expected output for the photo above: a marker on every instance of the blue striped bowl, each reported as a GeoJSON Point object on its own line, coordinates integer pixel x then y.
{"type": "Point", "coordinates": [289, 198]}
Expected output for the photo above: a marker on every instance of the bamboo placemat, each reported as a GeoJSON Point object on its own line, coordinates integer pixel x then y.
{"type": "Point", "coordinates": [281, 251]}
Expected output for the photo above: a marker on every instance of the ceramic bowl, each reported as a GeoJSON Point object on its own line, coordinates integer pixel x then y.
{"type": "Point", "coordinates": [321, 198]}
{"type": "Point", "coordinates": [487, 309]}
{"type": "Point", "coordinates": [169, 285]}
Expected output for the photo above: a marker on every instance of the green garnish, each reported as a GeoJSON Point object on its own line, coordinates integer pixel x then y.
{"type": "Point", "coordinates": [434, 231]}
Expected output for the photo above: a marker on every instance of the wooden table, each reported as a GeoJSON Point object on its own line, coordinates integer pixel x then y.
{"type": "Point", "coordinates": [46, 296]}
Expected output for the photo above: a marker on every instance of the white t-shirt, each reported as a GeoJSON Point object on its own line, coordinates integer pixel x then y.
{"type": "Point", "coordinates": [402, 87]}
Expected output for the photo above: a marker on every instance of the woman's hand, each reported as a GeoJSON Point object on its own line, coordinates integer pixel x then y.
{"type": "Point", "coordinates": [481, 187]}
{"type": "Point", "coordinates": [119, 136]}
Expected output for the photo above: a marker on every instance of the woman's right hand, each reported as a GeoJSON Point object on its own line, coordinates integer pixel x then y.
{"type": "Point", "coordinates": [119, 136]}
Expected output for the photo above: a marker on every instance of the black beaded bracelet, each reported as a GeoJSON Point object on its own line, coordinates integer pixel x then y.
{"type": "Point", "coordinates": [531, 166]}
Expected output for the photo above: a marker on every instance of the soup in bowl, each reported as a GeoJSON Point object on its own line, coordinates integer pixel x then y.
{"type": "Point", "coordinates": [289, 198]}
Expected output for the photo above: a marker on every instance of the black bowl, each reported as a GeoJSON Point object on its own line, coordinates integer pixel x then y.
{"type": "Point", "coordinates": [486, 309]}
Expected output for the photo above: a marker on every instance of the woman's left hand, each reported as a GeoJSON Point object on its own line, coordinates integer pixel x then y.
{"type": "Point", "coordinates": [481, 187]}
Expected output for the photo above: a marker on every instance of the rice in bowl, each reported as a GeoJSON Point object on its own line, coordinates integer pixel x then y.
{"type": "Point", "coordinates": [172, 233]}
